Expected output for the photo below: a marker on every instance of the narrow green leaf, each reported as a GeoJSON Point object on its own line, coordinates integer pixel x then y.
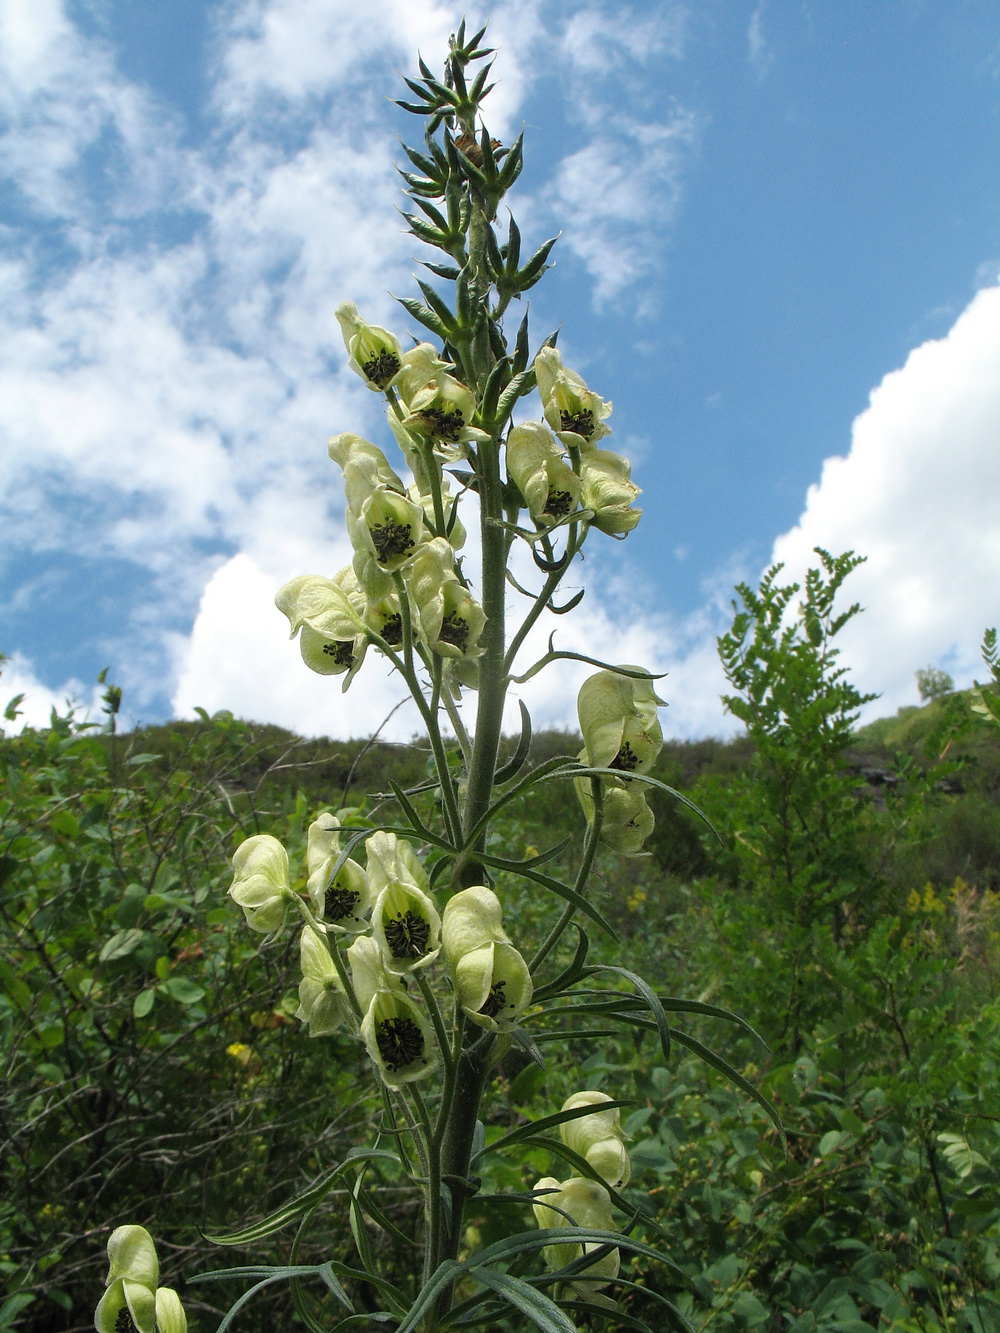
{"type": "Point", "coordinates": [543, 1312]}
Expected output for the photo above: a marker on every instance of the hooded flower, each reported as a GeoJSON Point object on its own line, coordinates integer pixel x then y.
{"type": "Point", "coordinates": [597, 1137]}
{"type": "Point", "coordinates": [582, 1203]}
{"type": "Point", "coordinates": [322, 1002]}
{"type": "Point", "coordinates": [343, 903]}
{"type": "Point", "coordinates": [621, 730]}
{"type": "Point", "coordinates": [491, 978]}
{"type": "Point", "coordinates": [392, 526]}
{"type": "Point", "coordinates": [606, 489]}
{"type": "Point", "coordinates": [394, 1028]}
{"type": "Point", "coordinates": [451, 620]}
{"type": "Point", "coordinates": [399, 1038]}
{"type": "Point", "coordinates": [329, 613]}
{"type": "Point", "coordinates": [626, 820]}
{"type": "Point", "coordinates": [407, 927]}
{"type": "Point", "coordinates": [537, 465]}
{"type": "Point", "coordinates": [441, 413]}
{"type": "Point", "coordinates": [131, 1283]}
{"type": "Point", "coordinates": [260, 882]}
{"type": "Point", "coordinates": [366, 472]}
{"type": "Point", "coordinates": [374, 352]}
{"type": "Point", "coordinates": [619, 722]}
{"type": "Point", "coordinates": [575, 413]}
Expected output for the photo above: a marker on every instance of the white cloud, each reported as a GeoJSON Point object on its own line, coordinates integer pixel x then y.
{"type": "Point", "coordinates": [169, 362]}
{"type": "Point", "coordinates": [919, 495]}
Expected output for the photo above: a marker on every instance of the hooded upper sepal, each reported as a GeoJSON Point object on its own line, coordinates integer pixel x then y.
{"type": "Point", "coordinates": [538, 467]}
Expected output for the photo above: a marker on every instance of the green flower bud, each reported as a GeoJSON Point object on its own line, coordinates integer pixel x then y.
{"type": "Point", "coordinates": [322, 1001]}
{"type": "Point", "coordinates": [170, 1316]}
{"type": "Point", "coordinates": [576, 414]}
{"type": "Point", "coordinates": [170, 1312]}
{"type": "Point", "coordinates": [597, 1137]}
{"type": "Point", "coordinates": [399, 1039]}
{"type": "Point", "coordinates": [342, 903]}
{"type": "Point", "coordinates": [581, 1203]}
{"type": "Point", "coordinates": [374, 352]}
{"type": "Point", "coordinates": [608, 492]}
{"type": "Point", "coordinates": [260, 884]}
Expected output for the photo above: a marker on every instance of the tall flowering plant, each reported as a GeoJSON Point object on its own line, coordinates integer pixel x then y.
{"type": "Point", "coordinates": [402, 934]}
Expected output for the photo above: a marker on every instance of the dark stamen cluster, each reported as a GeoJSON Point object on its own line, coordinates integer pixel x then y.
{"type": "Point", "coordinates": [454, 630]}
{"type": "Point", "coordinates": [626, 759]}
{"type": "Point", "coordinates": [380, 369]}
{"type": "Point", "coordinates": [392, 630]}
{"type": "Point", "coordinates": [580, 423]}
{"type": "Point", "coordinates": [391, 539]}
{"type": "Point", "coordinates": [400, 1042]}
{"type": "Point", "coordinates": [124, 1322]}
{"type": "Point", "coordinates": [443, 425]}
{"type": "Point", "coordinates": [558, 504]}
{"type": "Point", "coordinates": [496, 1001]}
{"type": "Point", "coordinates": [339, 902]}
{"type": "Point", "coordinates": [341, 650]}
{"type": "Point", "coordinates": [408, 936]}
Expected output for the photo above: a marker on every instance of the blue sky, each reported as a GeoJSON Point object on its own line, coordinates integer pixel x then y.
{"type": "Point", "coordinates": [780, 255]}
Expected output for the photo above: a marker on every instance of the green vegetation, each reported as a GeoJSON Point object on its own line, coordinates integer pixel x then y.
{"type": "Point", "coordinates": [848, 908]}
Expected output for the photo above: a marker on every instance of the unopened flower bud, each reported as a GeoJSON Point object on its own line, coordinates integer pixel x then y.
{"type": "Point", "coordinates": [170, 1316]}
{"type": "Point", "coordinates": [583, 1203]}
{"type": "Point", "coordinates": [597, 1137]}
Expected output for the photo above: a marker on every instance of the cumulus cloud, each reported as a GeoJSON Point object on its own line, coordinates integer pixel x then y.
{"type": "Point", "coordinates": [37, 701]}
{"type": "Point", "coordinates": [169, 361]}
{"type": "Point", "coordinates": [918, 494]}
